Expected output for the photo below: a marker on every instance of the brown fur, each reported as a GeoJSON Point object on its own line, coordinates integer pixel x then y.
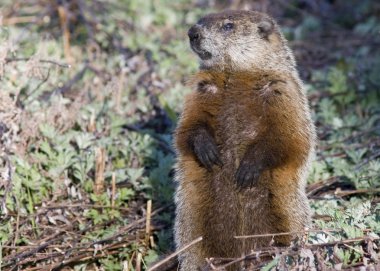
{"type": "Point", "coordinates": [253, 114]}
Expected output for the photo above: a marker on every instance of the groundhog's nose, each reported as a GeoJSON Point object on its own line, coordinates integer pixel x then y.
{"type": "Point", "coordinates": [194, 33]}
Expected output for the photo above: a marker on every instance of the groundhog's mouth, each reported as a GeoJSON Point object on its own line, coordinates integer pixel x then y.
{"type": "Point", "coordinates": [203, 54]}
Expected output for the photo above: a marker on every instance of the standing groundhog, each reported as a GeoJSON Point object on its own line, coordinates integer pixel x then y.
{"type": "Point", "coordinates": [244, 140]}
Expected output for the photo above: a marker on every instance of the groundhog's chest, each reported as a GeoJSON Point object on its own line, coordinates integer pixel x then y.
{"type": "Point", "coordinates": [238, 123]}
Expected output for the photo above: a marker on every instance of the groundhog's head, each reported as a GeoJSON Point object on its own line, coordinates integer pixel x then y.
{"type": "Point", "coordinates": [239, 40]}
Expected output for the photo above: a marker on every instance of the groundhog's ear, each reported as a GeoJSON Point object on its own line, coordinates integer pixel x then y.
{"type": "Point", "coordinates": [265, 28]}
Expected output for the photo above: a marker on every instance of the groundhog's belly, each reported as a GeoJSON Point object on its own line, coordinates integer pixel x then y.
{"type": "Point", "coordinates": [236, 212]}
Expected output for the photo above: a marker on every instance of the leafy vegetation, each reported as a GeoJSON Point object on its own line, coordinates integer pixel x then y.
{"type": "Point", "coordinates": [90, 94]}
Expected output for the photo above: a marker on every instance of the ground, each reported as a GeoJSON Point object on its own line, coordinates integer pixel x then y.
{"type": "Point", "coordinates": [90, 94]}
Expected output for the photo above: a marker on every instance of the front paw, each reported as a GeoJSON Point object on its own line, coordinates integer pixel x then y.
{"type": "Point", "coordinates": [248, 173]}
{"type": "Point", "coordinates": [205, 150]}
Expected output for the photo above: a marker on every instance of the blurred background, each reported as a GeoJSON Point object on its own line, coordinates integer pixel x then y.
{"type": "Point", "coordinates": [90, 93]}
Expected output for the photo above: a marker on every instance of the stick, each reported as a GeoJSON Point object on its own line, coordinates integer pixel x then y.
{"type": "Point", "coordinates": [336, 239]}
{"type": "Point", "coordinates": [66, 33]}
{"type": "Point", "coordinates": [171, 256]}
{"type": "Point", "coordinates": [63, 65]}
{"type": "Point", "coordinates": [151, 240]}
{"type": "Point", "coordinates": [100, 164]}
{"type": "Point", "coordinates": [17, 224]}
{"type": "Point", "coordinates": [344, 193]}
{"type": "Point", "coordinates": [148, 219]}
{"type": "Point", "coordinates": [125, 266]}
{"type": "Point", "coordinates": [92, 124]}
{"type": "Point", "coordinates": [282, 233]}
{"type": "Point", "coordinates": [315, 187]}
{"type": "Point", "coordinates": [138, 261]}
{"type": "Point", "coordinates": [113, 190]}
{"type": "Point", "coordinates": [19, 20]}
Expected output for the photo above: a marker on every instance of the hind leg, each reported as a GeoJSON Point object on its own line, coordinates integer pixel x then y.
{"type": "Point", "coordinates": [289, 204]}
{"type": "Point", "coordinates": [192, 258]}
{"type": "Point", "coordinates": [192, 198]}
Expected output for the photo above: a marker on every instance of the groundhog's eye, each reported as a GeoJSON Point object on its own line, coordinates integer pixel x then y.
{"type": "Point", "coordinates": [228, 26]}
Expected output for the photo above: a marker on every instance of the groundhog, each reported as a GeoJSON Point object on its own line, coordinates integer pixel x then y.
{"type": "Point", "coordinates": [244, 141]}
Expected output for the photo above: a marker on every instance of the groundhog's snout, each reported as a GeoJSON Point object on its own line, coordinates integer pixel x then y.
{"type": "Point", "coordinates": [194, 34]}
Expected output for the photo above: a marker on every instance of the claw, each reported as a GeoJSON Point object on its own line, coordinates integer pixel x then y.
{"type": "Point", "coordinates": [206, 151]}
{"type": "Point", "coordinates": [247, 174]}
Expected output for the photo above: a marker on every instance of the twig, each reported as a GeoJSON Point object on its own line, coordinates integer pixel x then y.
{"type": "Point", "coordinates": [283, 233]}
{"type": "Point", "coordinates": [344, 193]}
{"type": "Point", "coordinates": [151, 242]}
{"type": "Point", "coordinates": [15, 239]}
{"type": "Point", "coordinates": [125, 266]}
{"type": "Point", "coordinates": [138, 261]}
{"type": "Point", "coordinates": [171, 256]}
{"type": "Point", "coordinates": [100, 165]}
{"type": "Point", "coordinates": [62, 12]}
{"type": "Point", "coordinates": [210, 264]}
{"type": "Point", "coordinates": [148, 219]}
{"type": "Point", "coordinates": [113, 190]}
{"type": "Point", "coordinates": [63, 65]}
{"type": "Point", "coordinates": [315, 187]}
{"type": "Point", "coordinates": [254, 255]}
{"type": "Point", "coordinates": [19, 20]}
{"type": "Point", "coordinates": [95, 206]}
{"type": "Point", "coordinates": [347, 241]}
{"type": "Point", "coordinates": [336, 239]}
{"type": "Point", "coordinates": [91, 127]}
